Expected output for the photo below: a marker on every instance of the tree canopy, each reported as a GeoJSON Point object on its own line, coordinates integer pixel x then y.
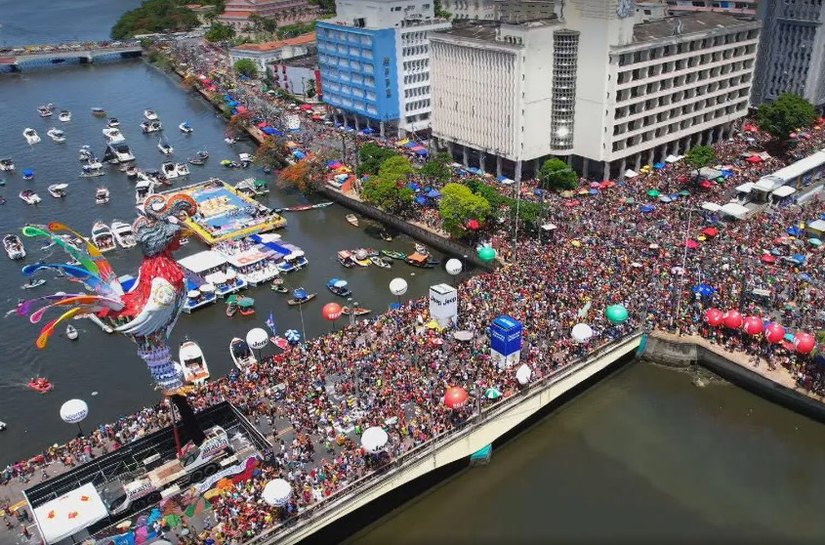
{"type": "Point", "coordinates": [700, 156]}
{"type": "Point", "coordinates": [785, 115]}
{"type": "Point", "coordinates": [155, 16]}
{"type": "Point", "coordinates": [556, 174]}
{"type": "Point", "coordinates": [371, 156]}
{"type": "Point", "coordinates": [395, 169]}
{"type": "Point", "coordinates": [246, 67]}
{"type": "Point", "coordinates": [437, 169]}
{"type": "Point", "coordinates": [272, 153]}
{"type": "Point", "coordinates": [387, 195]}
{"type": "Point", "coordinates": [458, 205]}
{"type": "Point", "coordinates": [219, 32]}
{"type": "Point", "coordinates": [306, 175]}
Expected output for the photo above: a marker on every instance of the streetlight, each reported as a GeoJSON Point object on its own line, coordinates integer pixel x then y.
{"type": "Point", "coordinates": [684, 267]}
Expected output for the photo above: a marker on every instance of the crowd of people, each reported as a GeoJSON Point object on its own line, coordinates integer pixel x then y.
{"type": "Point", "coordinates": [617, 245]}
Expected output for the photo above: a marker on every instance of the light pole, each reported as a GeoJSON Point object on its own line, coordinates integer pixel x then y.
{"type": "Point", "coordinates": [303, 328]}
{"type": "Point", "coordinates": [684, 268]}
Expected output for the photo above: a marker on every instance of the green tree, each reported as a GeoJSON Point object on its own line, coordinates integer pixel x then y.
{"type": "Point", "coordinates": [219, 32]}
{"type": "Point", "coordinates": [371, 156]}
{"type": "Point", "coordinates": [387, 195]}
{"type": "Point", "coordinates": [437, 168]}
{"type": "Point", "coordinates": [458, 205]}
{"type": "Point", "coordinates": [784, 115]}
{"type": "Point", "coordinates": [556, 174]}
{"type": "Point", "coordinates": [699, 157]}
{"type": "Point", "coordinates": [154, 16]}
{"type": "Point", "coordinates": [396, 169]}
{"type": "Point", "coordinates": [246, 67]}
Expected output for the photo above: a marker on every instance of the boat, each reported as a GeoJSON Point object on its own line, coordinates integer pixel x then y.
{"type": "Point", "coordinates": [131, 171]}
{"type": "Point", "coordinates": [230, 140]}
{"type": "Point", "coordinates": [231, 305]}
{"type": "Point", "coordinates": [14, 246]}
{"type": "Point", "coordinates": [293, 302]}
{"type": "Point", "coordinates": [71, 332]}
{"type": "Point", "coordinates": [85, 153]}
{"type": "Point", "coordinates": [113, 122]}
{"type": "Point", "coordinates": [278, 286]}
{"type": "Point", "coordinates": [421, 249]}
{"type": "Point", "coordinates": [246, 306]}
{"type": "Point", "coordinates": [102, 237]}
{"type": "Point", "coordinates": [197, 161]}
{"type": "Point", "coordinates": [352, 219]}
{"type": "Point", "coordinates": [98, 112]}
{"type": "Point", "coordinates": [46, 110]}
{"type": "Point", "coordinates": [242, 356]}
{"type": "Point", "coordinates": [359, 311]}
{"type": "Point", "coordinates": [245, 159]}
{"type": "Point", "coordinates": [123, 234]}
{"type": "Point", "coordinates": [31, 136]}
{"type": "Point", "coordinates": [174, 170]}
{"type": "Point", "coordinates": [151, 126]}
{"type": "Point", "coordinates": [392, 254]}
{"type": "Point", "coordinates": [295, 261]}
{"type": "Point", "coordinates": [144, 188]}
{"type": "Point", "coordinates": [360, 257]}
{"type": "Point", "coordinates": [40, 385]}
{"type": "Point", "coordinates": [113, 135]}
{"type": "Point", "coordinates": [192, 361]}
{"type": "Point", "coordinates": [345, 259]}
{"type": "Point", "coordinates": [118, 153]}
{"type": "Point", "coordinates": [252, 187]}
{"type": "Point", "coordinates": [58, 191]}
{"type": "Point", "coordinates": [185, 128]}
{"type": "Point", "coordinates": [385, 236]}
{"type": "Point", "coordinates": [378, 262]}
{"type": "Point", "coordinates": [29, 196]}
{"type": "Point", "coordinates": [203, 154]}
{"type": "Point", "coordinates": [322, 204]}
{"type": "Point", "coordinates": [65, 116]}
{"type": "Point", "coordinates": [165, 147]}
{"type": "Point", "coordinates": [2, 199]}
{"type": "Point", "coordinates": [33, 283]}
{"type": "Point", "coordinates": [421, 261]}
{"type": "Point", "coordinates": [150, 115]}
{"type": "Point", "coordinates": [228, 163]}
{"type": "Point", "coordinates": [338, 287]}
{"type": "Point", "coordinates": [7, 165]}
{"type": "Point", "coordinates": [91, 171]}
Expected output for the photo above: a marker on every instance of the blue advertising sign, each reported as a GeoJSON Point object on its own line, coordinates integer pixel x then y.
{"type": "Point", "coordinates": [505, 335]}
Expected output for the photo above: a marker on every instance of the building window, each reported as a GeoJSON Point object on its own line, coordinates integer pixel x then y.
{"type": "Point", "coordinates": [386, 61]}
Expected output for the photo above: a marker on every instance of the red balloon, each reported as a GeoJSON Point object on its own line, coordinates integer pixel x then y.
{"type": "Point", "coordinates": [331, 311]}
{"type": "Point", "coordinates": [774, 333]}
{"type": "Point", "coordinates": [456, 397]}
{"type": "Point", "coordinates": [753, 325]}
{"type": "Point", "coordinates": [713, 316]}
{"type": "Point", "coordinates": [732, 319]}
{"type": "Point", "coordinates": [804, 343]}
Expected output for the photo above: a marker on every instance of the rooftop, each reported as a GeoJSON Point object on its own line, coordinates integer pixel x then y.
{"type": "Point", "coordinates": [242, 14]}
{"type": "Point", "coordinates": [303, 39]}
{"type": "Point", "coordinates": [688, 23]}
{"type": "Point", "coordinates": [488, 30]}
{"type": "Point", "coordinates": [304, 61]}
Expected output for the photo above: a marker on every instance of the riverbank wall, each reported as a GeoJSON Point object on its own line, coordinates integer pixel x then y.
{"type": "Point", "coordinates": [666, 349]}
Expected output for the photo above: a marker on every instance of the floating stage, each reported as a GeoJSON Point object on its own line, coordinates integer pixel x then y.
{"type": "Point", "coordinates": [225, 214]}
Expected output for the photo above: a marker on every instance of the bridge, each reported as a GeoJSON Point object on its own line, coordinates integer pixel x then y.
{"type": "Point", "coordinates": [14, 60]}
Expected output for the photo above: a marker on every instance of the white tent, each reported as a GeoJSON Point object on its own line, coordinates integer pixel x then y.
{"type": "Point", "coordinates": [202, 261]}
{"type": "Point", "coordinates": [711, 207]}
{"type": "Point", "coordinates": [581, 332]}
{"type": "Point", "coordinates": [768, 183]}
{"type": "Point", "coordinates": [549, 227]}
{"type": "Point", "coordinates": [709, 173]}
{"type": "Point", "coordinates": [817, 226]}
{"type": "Point", "coordinates": [523, 374]}
{"type": "Point", "coordinates": [735, 210]}
{"type": "Point", "coordinates": [630, 173]}
{"type": "Point", "coordinates": [745, 188]}
{"type": "Point", "coordinates": [69, 514]}
{"type": "Point", "coordinates": [784, 191]}
{"type": "Point", "coordinates": [674, 158]}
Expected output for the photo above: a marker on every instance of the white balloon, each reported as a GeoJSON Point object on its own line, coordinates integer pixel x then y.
{"type": "Point", "coordinates": [523, 374]}
{"type": "Point", "coordinates": [374, 439]}
{"type": "Point", "coordinates": [581, 332]}
{"type": "Point", "coordinates": [74, 411]}
{"type": "Point", "coordinates": [277, 492]}
{"type": "Point", "coordinates": [398, 286]}
{"type": "Point", "coordinates": [257, 338]}
{"type": "Point", "coordinates": [454, 267]}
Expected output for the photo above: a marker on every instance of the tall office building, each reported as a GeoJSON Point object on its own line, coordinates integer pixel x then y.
{"type": "Point", "coordinates": [374, 62]}
{"type": "Point", "coordinates": [741, 7]}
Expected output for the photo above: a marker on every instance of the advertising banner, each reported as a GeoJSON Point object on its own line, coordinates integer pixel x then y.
{"type": "Point", "coordinates": [505, 341]}
{"type": "Point", "coordinates": [444, 304]}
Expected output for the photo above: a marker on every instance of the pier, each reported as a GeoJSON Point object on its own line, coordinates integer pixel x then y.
{"type": "Point", "coordinates": [15, 60]}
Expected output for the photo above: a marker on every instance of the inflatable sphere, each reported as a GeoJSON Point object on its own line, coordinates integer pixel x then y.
{"type": "Point", "coordinates": [732, 319]}
{"type": "Point", "coordinates": [714, 317]}
{"type": "Point", "coordinates": [774, 333]}
{"type": "Point", "coordinates": [753, 325]}
{"type": "Point", "coordinates": [456, 397]}
{"type": "Point", "coordinates": [331, 312]}
{"type": "Point", "coordinates": [453, 267]}
{"type": "Point", "coordinates": [398, 286]}
{"type": "Point", "coordinates": [487, 253]}
{"type": "Point", "coordinates": [617, 314]}
{"type": "Point", "coordinates": [804, 343]}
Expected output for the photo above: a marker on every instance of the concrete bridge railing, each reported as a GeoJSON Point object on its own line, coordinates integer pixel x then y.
{"type": "Point", "coordinates": [449, 447]}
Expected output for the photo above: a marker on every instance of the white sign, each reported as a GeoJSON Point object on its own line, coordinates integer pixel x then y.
{"type": "Point", "coordinates": [293, 122]}
{"type": "Point", "coordinates": [444, 304]}
{"type": "Point", "coordinates": [505, 362]}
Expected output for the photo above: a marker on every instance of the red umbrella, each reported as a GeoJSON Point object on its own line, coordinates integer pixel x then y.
{"type": "Point", "coordinates": [732, 319]}
{"type": "Point", "coordinates": [754, 159]}
{"type": "Point", "coordinates": [331, 312]}
{"type": "Point", "coordinates": [713, 316]}
{"type": "Point", "coordinates": [473, 225]}
{"type": "Point", "coordinates": [691, 244]}
{"type": "Point", "coordinates": [571, 204]}
{"type": "Point", "coordinates": [305, 107]}
{"type": "Point", "coordinates": [753, 325]}
{"type": "Point", "coordinates": [774, 333]}
{"type": "Point", "coordinates": [710, 232]}
{"type": "Point", "coordinates": [456, 397]}
{"type": "Point", "coordinates": [262, 124]}
{"type": "Point", "coordinates": [768, 258]}
{"type": "Point", "coordinates": [705, 184]}
{"type": "Point", "coordinates": [804, 342]}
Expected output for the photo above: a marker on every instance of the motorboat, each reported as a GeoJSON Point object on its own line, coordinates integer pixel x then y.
{"type": "Point", "coordinates": [421, 249]}
{"type": "Point", "coordinates": [197, 161]}
{"type": "Point", "coordinates": [150, 115]}
{"type": "Point", "coordinates": [102, 237]}
{"type": "Point", "coordinates": [93, 163]}
{"type": "Point", "coordinates": [295, 301]}
{"type": "Point", "coordinates": [385, 236]}
{"type": "Point", "coordinates": [28, 174]}
{"type": "Point", "coordinates": [278, 286]}
{"type": "Point", "coordinates": [230, 140]}
{"type": "Point", "coordinates": [113, 135]}
{"type": "Point", "coordinates": [14, 246]}
{"type": "Point", "coordinates": [165, 147]}
{"type": "Point", "coordinates": [33, 283]}
{"type": "Point", "coordinates": [102, 195]}
{"type": "Point", "coordinates": [203, 154]}
{"type": "Point", "coordinates": [7, 165]}
{"type": "Point", "coordinates": [47, 110]}
{"type": "Point", "coordinates": [360, 257]}
{"type": "Point", "coordinates": [359, 311]}
{"type": "Point", "coordinates": [151, 126]}
{"type": "Point", "coordinates": [246, 306]}
{"type": "Point", "coordinates": [228, 163]}
{"type": "Point", "coordinates": [253, 187]}
{"type": "Point", "coordinates": [31, 136]}
{"type": "Point", "coordinates": [345, 259]}
{"type": "Point", "coordinates": [98, 112]}
{"type": "Point", "coordinates": [144, 188]}
{"type": "Point", "coordinates": [378, 262]}
{"type": "Point", "coordinates": [131, 171]}
{"type": "Point", "coordinates": [352, 219]}
{"type": "Point", "coordinates": [242, 356]}
{"type": "Point", "coordinates": [56, 135]}
{"type": "Point", "coordinates": [193, 363]}
{"type": "Point", "coordinates": [85, 153]}
{"type": "Point", "coordinates": [186, 128]}
{"type": "Point", "coordinates": [118, 153]}
{"type": "Point", "coordinates": [421, 261]}
{"type": "Point", "coordinates": [245, 159]}
{"type": "Point", "coordinates": [65, 116]}
{"type": "Point", "coordinates": [58, 191]}
{"type": "Point", "coordinates": [71, 332]}
{"type": "Point", "coordinates": [174, 170]}
{"type": "Point", "coordinates": [29, 196]}
{"type": "Point", "coordinates": [40, 385]}
{"type": "Point", "coordinates": [113, 122]}
{"type": "Point", "coordinates": [123, 234]}
{"type": "Point", "coordinates": [90, 171]}
{"type": "Point", "coordinates": [392, 254]}
{"type": "Point", "coordinates": [339, 287]}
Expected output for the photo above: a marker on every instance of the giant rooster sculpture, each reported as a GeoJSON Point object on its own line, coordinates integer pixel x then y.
{"type": "Point", "coordinates": [148, 312]}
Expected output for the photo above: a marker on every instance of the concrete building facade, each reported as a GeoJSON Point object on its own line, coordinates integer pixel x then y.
{"type": "Point", "coordinates": [236, 12]}
{"type": "Point", "coordinates": [741, 7]}
{"type": "Point", "coordinates": [269, 52]}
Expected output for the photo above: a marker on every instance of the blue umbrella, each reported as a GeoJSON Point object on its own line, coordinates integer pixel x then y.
{"type": "Point", "coordinates": [799, 259]}
{"type": "Point", "coordinates": [659, 166]}
{"type": "Point", "coordinates": [647, 208]}
{"type": "Point", "coordinates": [421, 200]}
{"type": "Point", "coordinates": [28, 172]}
{"type": "Point", "coordinates": [340, 284]}
{"type": "Point", "coordinates": [794, 231]}
{"type": "Point", "coordinates": [805, 277]}
{"type": "Point", "coordinates": [300, 293]}
{"type": "Point", "coordinates": [704, 290]}
{"type": "Point", "coordinates": [292, 336]}
{"type": "Point", "coordinates": [433, 194]}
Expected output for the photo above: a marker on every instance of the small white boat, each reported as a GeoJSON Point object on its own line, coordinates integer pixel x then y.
{"type": "Point", "coordinates": [123, 233]}
{"type": "Point", "coordinates": [242, 356]}
{"type": "Point", "coordinates": [98, 112]}
{"type": "Point", "coordinates": [46, 110]}
{"type": "Point", "coordinates": [71, 332]}
{"type": "Point", "coordinates": [58, 191]}
{"type": "Point", "coordinates": [31, 136]}
{"type": "Point", "coordinates": [90, 171]}
{"type": "Point", "coordinates": [33, 283]}
{"type": "Point", "coordinates": [7, 165]}
{"type": "Point", "coordinates": [165, 147]}
{"type": "Point", "coordinates": [151, 126]}
{"type": "Point", "coordinates": [102, 237]}
{"type": "Point", "coordinates": [144, 188]}
{"type": "Point", "coordinates": [102, 195]}
{"type": "Point", "coordinates": [93, 163]}
{"type": "Point", "coordinates": [65, 116]}
{"type": "Point", "coordinates": [131, 171]}
{"type": "Point", "coordinates": [174, 170]}
{"type": "Point", "coordinates": [85, 153]}
{"type": "Point", "coordinates": [185, 128]}
{"type": "Point", "coordinates": [193, 363]}
{"type": "Point", "coordinates": [113, 135]}
{"type": "Point", "coordinates": [14, 246]}
{"type": "Point", "coordinates": [29, 196]}
{"type": "Point", "coordinates": [113, 122]}
{"type": "Point", "coordinates": [119, 153]}
{"type": "Point", "coordinates": [230, 140]}
{"type": "Point", "coordinates": [56, 135]}
{"type": "Point", "coordinates": [150, 115]}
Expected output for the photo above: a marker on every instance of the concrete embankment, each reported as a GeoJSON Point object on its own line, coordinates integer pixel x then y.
{"type": "Point", "coordinates": [775, 386]}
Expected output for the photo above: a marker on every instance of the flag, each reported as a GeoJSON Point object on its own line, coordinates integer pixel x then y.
{"type": "Point", "coordinates": [270, 323]}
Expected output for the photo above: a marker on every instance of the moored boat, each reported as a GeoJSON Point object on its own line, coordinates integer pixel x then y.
{"type": "Point", "coordinates": [119, 153]}
{"type": "Point", "coordinates": [420, 260]}
{"type": "Point", "coordinates": [360, 257]}
{"type": "Point", "coordinates": [378, 262]}
{"type": "Point", "coordinates": [113, 122]}
{"type": "Point", "coordinates": [339, 287]}
{"type": "Point", "coordinates": [71, 332]}
{"type": "Point", "coordinates": [29, 196]}
{"type": "Point", "coordinates": [246, 306]}
{"type": "Point", "coordinates": [165, 147]}
{"type": "Point", "coordinates": [190, 356]}
{"type": "Point", "coordinates": [392, 254]}
{"type": "Point", "coordinates": [102, 195]}
{"type": "Point", "coordinates": [14, 246]}
{"type": "Point", "coordinates": [7, 165]}
{"type": "Point", "coordinates": [185, 128]}
{"type": "Point", "coordinates": [150, 115]}
{"type": "Point", "coordinates": [113, 135]}
{"type": "Point", "coordinates": [46, 110]}
{"type": "Point", "coordinates": [58, 191]}
{"type": "Point", "coordinates": [296, 301]}
{"type": "Point", "coordinates": [242, 356]}
{"type": "Point", "coordinates": [151, 126]}
{"type": "Point", "coordinates": [56, 135]}
{"type": "Point", "coordinates": [352, 219]}
{"type": "Point", "coordinates": [31, 136]}
{"type": "Point", "coordinates": [33, 283]}
{"type": "Point", "coordinates": [359, 311]}
{"type": "Point", "coordinates": [102, 237]}
{"type": "Point", "coordinates": [65, 116]}
{"type": "Point", "coordinates": [40, 385]}
{"type": "Point", "coordinates": [144, 188]}
{"type": "Point", "coordinates": [85, 153]}
{"type": "Point", "coordinates": [98, 112]}
{"type": "Point", "coordinates": [123, 234]}
{"type": "Point", "coordinates": [231, 305]}
{"type": "Point", "coordinates": [345, 259]}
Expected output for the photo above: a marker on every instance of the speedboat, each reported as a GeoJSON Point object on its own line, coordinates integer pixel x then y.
{"type": "Point", "coordinates": [33, 283]}
{"type": "Point", "coordinates": [123, 234]}
{"type": "Point", "coordinates": [56, 135]}
{"type": "Point", "coordinates": [352, 219]}
{"type": "Point", "coordinates": [245, 159]}
{"type": "Point", "coordinates": [378, 262]}
{"type": "Point", "coordinates": [113, 122]}
{"type": "Point", "coordinates": [144, 188]}
{"type": "Point", "coordinates": [151, 126]}
{"type": "Point", "coordinates": [150, 115]}
{"type": "Point", "coordinates": [71, 332]}
{"type": "Point", "coordinates": [197, 161]}
{"type": "Point", "coordinates": [193, 363]}
{"type": "Point", "coordinates": [242, 356]}
{"type": "Point", "coordinates": [228, 163]}
{"type": "Point", "coordinates": [174, 170]}
{"type": "Point", "coordinates": [14, 246]}
{"type": "Point", "coordinates": [102, 237]}
{"type": "Point", "coordinates": [339, 287]}
{"type": "Point", "coordinates": [119, 153]}
{"type": "Point", "coordinates": [165, 147]}
{"type": "Point", "coordinates": [31, 136]}
{"type": "Point", "coordinates": [29, 196]}
{"type": "Point", "coordinates": [131, 171]}
{"type": "Point", "coordinates": [359, 311]}
{"type": "Point", "coordinates": [46, 110]}
{"type": "Point", "coordinates": [99, 112]}
{"type": "Point", "coordinates": [203, 154]}
{"type": "Point", "coordinates": [40, 385]}
{"type": "Point", "coordinates": [58, 191]}
{"type": "Point", "coordinates": [65, 116]}
{"type": "Point", "coordinates": [90, 171]}
{"type": "Point", "coordinates": [185, 128]}
{"type": "Point", "coordinates": [93, 163]}
{"type": "Point", "coordinates": [102, 195]}
{"type": "Point", "coordinates": [295, 301]}
{"type": "Point", "coordinates": [85, 153]}
{"type": "Point", "coordinates": [7, 165]}
{"type": "Point", "coordinates": [113, 135]}
{"type": "Point", "coordinates": [392, 254]}
{"type": "Point", "coordinates": [345, 259]}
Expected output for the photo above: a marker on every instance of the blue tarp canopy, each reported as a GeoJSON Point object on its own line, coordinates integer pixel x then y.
{"type": "Point", "coordinates": [298, 154]}
{"type": "Point", "coordinates": [659, 166]}
{"type": "Point", "coordinates": [271, 245]}
{"type": "Point", "coordinates": [647, 208]}
{"type": "Point", "coordinates": [433, 193]}
{"type": "Point", "coordinates": [799, 259]}
{"type": "Point", "coordinates": [704, 290]}
{"type": "Point", "coordinates": [794, 231]}
{"type": "Point", "coordinates": [368, 130]}
{"type": "Point", "coordinates": [422, 152]}
{"type": "Point", "coordinates": [474, 170]}
{"type": "Point", "coordinates": [28, 172]}
{"type": "Point", "coordinates": [421, 200]}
